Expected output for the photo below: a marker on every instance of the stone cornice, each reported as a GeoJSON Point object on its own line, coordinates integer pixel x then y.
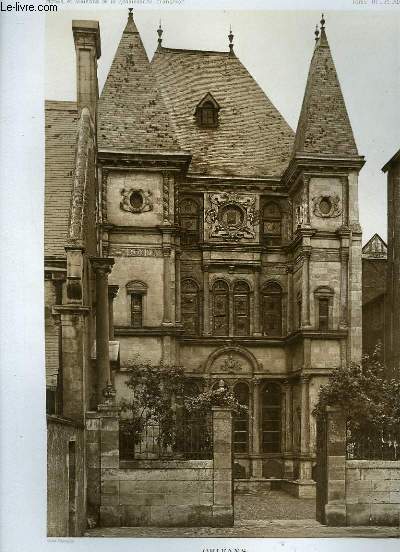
{"type": "Point", "coordinates": [137, 160]}
{"type": "Point", "coordinates": [147, 332]}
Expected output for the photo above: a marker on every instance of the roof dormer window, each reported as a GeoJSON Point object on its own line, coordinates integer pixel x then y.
{"type": "Point", "coordinates": [207, 112]}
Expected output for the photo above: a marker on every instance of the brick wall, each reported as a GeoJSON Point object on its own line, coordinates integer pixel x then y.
{"type": "Point", "coordinates": [373, 492]}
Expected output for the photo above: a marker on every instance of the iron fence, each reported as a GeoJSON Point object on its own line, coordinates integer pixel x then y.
{"type": "Point", "coordinates": [374, 445]}
{"type": "Point", "coordinates": [191, 440]}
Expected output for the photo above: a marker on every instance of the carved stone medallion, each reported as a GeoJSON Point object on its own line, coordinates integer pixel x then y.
{"type": "Point", "coordinates": [136, 200]}
{"type": "Point", "coordinates": [232, 216]}
{"type": "Point", "coordinates": [327, 206]}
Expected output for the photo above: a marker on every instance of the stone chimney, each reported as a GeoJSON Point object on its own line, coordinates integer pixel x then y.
{"type": "Point", "coordinates": [88, 51]}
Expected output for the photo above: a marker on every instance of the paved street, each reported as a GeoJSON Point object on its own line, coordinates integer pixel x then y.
{"type": "Point", "coordinates": [271, 514]}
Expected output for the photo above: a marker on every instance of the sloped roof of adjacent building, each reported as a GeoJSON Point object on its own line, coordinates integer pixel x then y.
{"type": "Point", "coordinates": [252, 138]}
{"type": "Point", "coordinates": [132, 115]}
{"type": "Point", "coordinates": [324, 126]}
{"type": "Point", "coordinates": [61, 120]}
{"type": "Point", "coordinates": [375, 248]}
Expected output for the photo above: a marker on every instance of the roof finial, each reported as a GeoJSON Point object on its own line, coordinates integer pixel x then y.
{"type": "Point", "coordinates": [322, 22]}
{"type": "Point", "coordinates": [316, 32]}
{"type": "Point", "coordinates": [159, 32]}
{"type": "Point", "coordinates": [130, 15]}
{"type": "Point", "coordinates": [230, 36]}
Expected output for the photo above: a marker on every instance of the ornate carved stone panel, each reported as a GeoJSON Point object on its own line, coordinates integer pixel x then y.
{"type": "Point", "coordinates": [327, 206]}
{"type": "Point", "coordinates": [232, 216]}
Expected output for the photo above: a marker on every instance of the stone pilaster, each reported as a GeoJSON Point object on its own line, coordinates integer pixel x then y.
{"type": "Point", "coordinates": [305, 289]}
{"type": "Point", "coordinates": [222, 461]}
{"type": "Point", "coordinates": [102, 267]}
{"type": "Point", "coordinates": [305, 464]}
{"type": "Point", "coordinates": [206, 301]}
{"type": "Point", "coordinates": [167, 286]}
{"type": "Point", "coordinates": [177, 286]}
{"type": "Point", "coordinates": [288, 430]}
{"type": "Point", "coordinates": [256, 460]}
{"type": "Point", "coordinates": [112, 293]}
{"type": "Point", "coordinates": [290, 310]}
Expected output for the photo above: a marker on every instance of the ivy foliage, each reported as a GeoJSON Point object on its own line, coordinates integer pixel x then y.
{"type": "Point", "coordinates": [369, 400]}
{"type": "Point", "coordinates": [157, 396]}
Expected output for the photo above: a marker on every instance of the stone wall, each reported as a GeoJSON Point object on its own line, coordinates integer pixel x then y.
{"type": "Point", "coordinates": [66, 509]}
{"type": "Point", "coordinates": [157, 492]}
{"type": "Point", "coordinates": [162, 493]}
{"type": "Point", "coordinates": [373, 492]}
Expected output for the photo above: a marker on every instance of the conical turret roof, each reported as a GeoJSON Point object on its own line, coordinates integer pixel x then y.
{"type": "Point", "coordinates": [132, 115]}
{"type": "Point", "coordinates": [324, 127]}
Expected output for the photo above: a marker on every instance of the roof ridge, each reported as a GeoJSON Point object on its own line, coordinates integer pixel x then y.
{"type": "Point", "coordinates": [191, 51]}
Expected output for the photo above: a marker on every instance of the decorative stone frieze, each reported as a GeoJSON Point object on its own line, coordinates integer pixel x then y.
{"type": "Point", "coordinates": [127, 251]}
{"type": "Point", "coordinates": [232, 216]}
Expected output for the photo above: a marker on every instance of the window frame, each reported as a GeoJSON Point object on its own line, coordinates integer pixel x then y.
{"type": "Point", "coordinates": [277, 419]}
{"type": "Point", "coordinates": [241, 418]}
{"type": "Point", "coordinates": [326, 294]}
{"type": "Point", "coordinates": [214, 293]}
{"type": "Point", "coordinates": [137, 289]}
{"type": "Point", "coordinates": [197, 293]}
{"type": "Point", "coordinates": [190, 238]}
{"type": "Point", "coordinates": [274, 290]}
{"type": "Point", "coordinates": [273, 239]}
{"type": "Point", "coordinates": [236, 293]}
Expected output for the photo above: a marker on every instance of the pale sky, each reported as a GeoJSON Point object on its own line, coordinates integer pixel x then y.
{"type": "Point", "coordinates": [276, 48]}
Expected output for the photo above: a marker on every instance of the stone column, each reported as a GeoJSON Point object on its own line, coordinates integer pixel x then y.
{"type": "Point", "coordinates": [167, 286]}
{"type": "Point", "coordinates": [288, 430]}
{"type": "Point", "coordinates": [344, 258]}
{"type": "Point", "coordinates": [74, 359]}
{"type": "Point", "coordinates": [257, 305]}
{"type": "Point", "coordinates": [305, 289]}
{"type": "Point", "coordinates": [305, 465]}
{"type": "Point", "coordinates": [256, 460]}
{"type": "Point", "coordinates": [112, 293]}
{"type": "Point", "coordinates": [206, 301]}
{"type": "Point", "coordinates": [222, 462]}
{"type": "Point", "coordinates": [177, 286]}
{"type": "Point", "coordinates": [102, 267]}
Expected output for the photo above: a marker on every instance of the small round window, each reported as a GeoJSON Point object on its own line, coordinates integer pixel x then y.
{"type": "Point", "coordinates": [325, 205]}
{"type": "Point", "coordinates": [136, 201]}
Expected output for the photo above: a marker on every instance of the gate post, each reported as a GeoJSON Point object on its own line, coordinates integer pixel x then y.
{"type": "Point", "coordinates": [222, 473]}
{"type": "Point", "coordinates": [331, 465]}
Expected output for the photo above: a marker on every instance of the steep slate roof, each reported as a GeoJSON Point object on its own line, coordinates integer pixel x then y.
{"type": "Point", "coordinates": [61, 120]}
{"type": "Point", "coordinates": [132, 115]}
{"type": "Point", "coordinates": [252, 138]}
{"type": "Point", "coordinates": [324, 125]}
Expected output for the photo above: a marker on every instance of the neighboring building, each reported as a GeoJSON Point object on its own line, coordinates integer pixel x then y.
{"type": "Point", "coordinates": [236, 242]}
{"type": "Point", "coordinates": [374, 264]}
{"type": "Point", "coordinates": [392, 305]}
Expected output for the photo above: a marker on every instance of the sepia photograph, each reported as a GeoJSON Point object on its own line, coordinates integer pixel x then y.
{"type": "Point", "coordinates": [221, 268]}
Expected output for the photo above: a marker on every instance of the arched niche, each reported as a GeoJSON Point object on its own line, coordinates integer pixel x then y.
{"type": "Point", "coordinates": [232, 361]}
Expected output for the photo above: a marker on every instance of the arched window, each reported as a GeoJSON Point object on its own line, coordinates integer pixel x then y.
{"type": "Point", "coordinates": [241, 419]}
{"type": "Point", "coordinates": [190, 306]}
{"type": "Point", "coordinates": [241, 308]}
{"type": "Point", "coordinates": [272, 223]}
{"type": "Point", "coordinates": [220, 293]}
{"type": "Point", "coordinates": [190, 221]}
{"type": "Point", "coordinates": [271, 418]}
{"type": "Point", "coordinates": [272, 309]}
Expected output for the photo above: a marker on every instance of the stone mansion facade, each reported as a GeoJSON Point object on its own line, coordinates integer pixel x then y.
{"type": "Point", "coordinates": [230, 244]}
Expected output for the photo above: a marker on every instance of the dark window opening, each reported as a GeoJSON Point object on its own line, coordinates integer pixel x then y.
{"type": "Point", "coordinates": [323, 318]}
{"type": "Point", "coordinates": [220, 308]}
{"type": "Point", "coordinates": [241, 308]}
{"type": "Point", "coordinates": [190, 222]}
{"type": "Point", "coordinates": [272, 223]}
{"type": "Point", "coordinates": [137, 310]}
{"type": "Point", "coordinates": [272, 310]}
{"type": "Point", "coordinates": [207, 115]}
{"type": "Point", "coordinates": [241, 419]}
{"type": "Point", "coordinates": [271, 418]}
{"type": "Point", "coordinates": [190, 307]}
{"type": "Point", "coordinates": [136, 200]}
